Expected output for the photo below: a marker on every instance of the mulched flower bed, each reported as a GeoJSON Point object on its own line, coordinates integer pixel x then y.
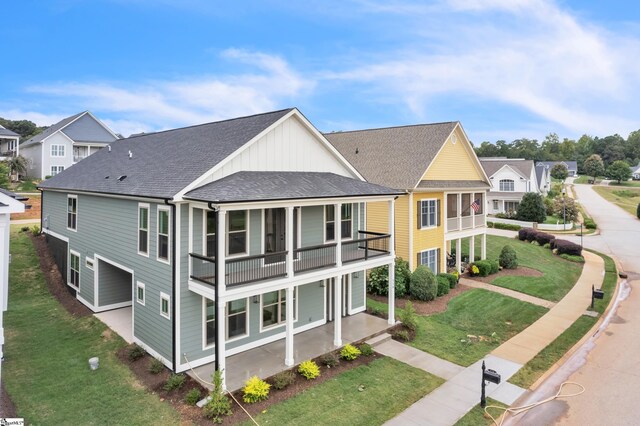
{"type": "Point", "coordinates": [421, 307]}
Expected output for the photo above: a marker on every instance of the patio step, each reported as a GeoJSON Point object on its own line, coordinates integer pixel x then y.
{"type": "Point", "coordinates": [375, 341]}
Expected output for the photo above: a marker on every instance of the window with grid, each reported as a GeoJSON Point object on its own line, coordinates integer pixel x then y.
{"type": "Point", "coordinates": [506, 185]}
{"type": "Point", "coordinates": [428, 213]}
{"type": "Point", "coordinates": [74, 270]}
{"type": "Point", "coordinates": [237, 232]}
{"type": "Point", "coordinates": [143, 229]}
{"type": "Point", "coordinates": [274, 309]}
{"type": "Point", "coordinates": [210, 237]}
{"type": "Point", "coordinates": [163, 234]}
{"type": "Point", "coordinates": [209, 322]}
{"type": "Point", "coordinates": [429, 258]}
{"type": "Point", "coordinates": [72, 212]}
{"type": "Point", "coordinates": [236, 318]}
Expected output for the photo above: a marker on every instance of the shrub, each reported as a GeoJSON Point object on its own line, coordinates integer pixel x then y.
{"type": "Point", "coordinates": [135, 352]}
{"type": "Point", "coordinates": [474, 270]}
{"type": "Point", "coordinates": [532, 208]}
{"type": "Point", "coordinates": [24, 229]}
{"type": "Point", "coordinates": [409, 317]}
{"type": "Point", "coordinates": [508, 257]}
{"type": "Point", "coordinates": [402, 335]}
{"type": "Point", "coordinates": [590, 224]}
{"type": "Point", "coordinates": [443, 285]}
{"type": "Point", "coordinates": [378, 281]}
{"type": "Point", "coordinates": [552, 244]}
{"type": "Point", "coordinates": [507, 226]}
{"type": "Point", "coordinates": [543, 238]}
{"type": "Point", "coordinates": [155, 366]}
{"type": "Point", "coordinates": [309, 369]}
{"type": "Point", "coordinates": [567, 247]}
{"type": "Point", "coordinates": [219, 405]}
{"type": "Point", "coordinates": [423, 284]}
{"type": "Point", "coordinates": [451, 279]}
{"type": "Point", "coordinates": [366, 349]}
{"type": "Point", "coordinates": [548, 205]}
{"type": "Point", "coordinates": [495, 266]}
{"type": "Point", "coordinates": [548, 245]}
{"type": "Point", "coordinates": [483, 266]}
{"type": "Point", "coordinates": [283, 379]}
{"type": "Point", "coordinates": [527, 234]}
{"type": "Point", "coordinates": [330, 359]}
{"type": "Point", "coordinates": [35, 230]}
{"type": "Point", "coordinates": [637, 211]}
{"type": "Point", "coordinates": [255, 390]}
{"type": "Point", "coordinates": [349, 352]}
{"type": "Point", "coordinates": [570, 258]}
{"type": "Point", "coordinates": [192, 397]}
{"type": "Point", "coordinates": [175, 381]}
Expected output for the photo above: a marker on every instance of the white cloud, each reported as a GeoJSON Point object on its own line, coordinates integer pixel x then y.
{"type": "Point", "coordinates": [157, 105]}
{"type": "Point", "coordinates": [38, 118]}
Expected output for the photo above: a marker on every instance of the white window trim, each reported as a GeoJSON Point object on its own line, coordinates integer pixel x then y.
{"type": "Point", "coordinates": [437, 260]}
{"type": "Point", "coordinates": [226, 321]}
{"type": "Point", "coordinates": [140, 285]}
{"type": "Point", "coordinates": [148, 207]}
{"type": "Point", "coordinates": [284, 323]}
{"type": "Point", "coordinates": [59, 169]}
{"type": "Point", "coordinates": [74, 253]}
{"type": "Point", "coordinates": [435, 225]}
{"type": "Point", "coordinates": [324, 223]}
{"type": "Point", "coordinates": [226, 236]}
{"type": "Point", "coordinates": [58, 146]}
{"type": "Point", "coordinates": [205, 346]}
{"type": "Point", "coordinates": [352, 220]}
{"type": "Point", "coordinates": [513, 182]}
{"type": "Point", "coordinates": [158, 258]}
{"type": "Point", "coordinates": [496, 204]}
{"type": "Point", "coordinates": [88, 263]}
{"type": "Point", "coordinates": [165, 296]}
{"type": "Point", "coordinates": [77, 212]}
{"type": "Point", "coordinates": [205, 213]}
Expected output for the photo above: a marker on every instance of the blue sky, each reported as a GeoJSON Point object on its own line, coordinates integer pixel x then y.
{"type": "Point", "coordinates": [506, 69]}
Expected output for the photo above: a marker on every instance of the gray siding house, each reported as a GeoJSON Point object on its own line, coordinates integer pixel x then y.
{"type": "Point", "coordinates": [218, 238]}
{"type": "Point", "coordinates": [65, 144]}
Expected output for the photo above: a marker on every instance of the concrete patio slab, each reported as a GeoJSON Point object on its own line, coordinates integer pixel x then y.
{"type": "Point", "coordinates": [120, 321]}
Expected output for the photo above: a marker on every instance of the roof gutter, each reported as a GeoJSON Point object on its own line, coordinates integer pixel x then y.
{"type": "Point", "coordinates": [174, 361]}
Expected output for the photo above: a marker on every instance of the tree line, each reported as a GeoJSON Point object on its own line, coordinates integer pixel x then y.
{"type": "Point", "coordinates": [25, 128]}
{"type": "Point", "coordinates": [610, 149]}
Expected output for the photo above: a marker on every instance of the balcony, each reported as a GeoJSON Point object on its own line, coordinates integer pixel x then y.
{"type": "Point", "coordinates": [250, 269]}
{"type": "Point", "coordinates": [77, 158]}
{"type": "Point", "coordinates": [459, 223]}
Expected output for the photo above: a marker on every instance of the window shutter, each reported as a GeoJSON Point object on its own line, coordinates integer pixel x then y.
{"type": "Point", "coordinates": [437, 261]}
{"type": "Point", "coordinates": [418, 260]}
{"type": "Point", "coordinates": [419, 210]}
{"type": "Point", "coordinates": [438, 214]}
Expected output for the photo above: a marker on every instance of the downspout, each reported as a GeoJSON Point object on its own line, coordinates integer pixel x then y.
{"type": "Point", "coordinates": [174, 360]}
{"type": "Point", "coordinates": [216, 322]}
{"type": "Point", "coordinates": [41, 210]}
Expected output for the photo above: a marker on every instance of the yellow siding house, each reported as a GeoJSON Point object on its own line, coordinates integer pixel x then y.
{"type": "Point", "coordinates": [444, 183]}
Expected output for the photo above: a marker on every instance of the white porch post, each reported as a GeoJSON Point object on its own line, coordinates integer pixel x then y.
{"type": "Point", "coordinates": [289, 233]}
{"type": "Point", "coordinates": [483, 246]}
{"type": "Point", "coordinates": [337, 290]}
{"type": "Point", "coordinates": [459, 218]}
{"type": "Point", "coordinates": [288, 358]}
{"type": "Point", "coordinates": [459, 255]}
{"type": "Point", "coordinates": [472, 248]}
{"type": "Point", "coordinates": [392, 270]}
{"type": "Point", "coordinates": [220, 312]}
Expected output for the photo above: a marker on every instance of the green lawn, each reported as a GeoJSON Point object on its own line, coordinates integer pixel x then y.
{"type": "Point", "coordinates": [477, 416]}
{"type": "Point", "coordinates": [585, 179]}
{"type": "Point", "coordinates": [558, 277]}
{"type": "Point", "coordinates": [627, 198]}
{"type": "Point", "coordinates": [491, 317]}
{"type": "Point", "coordinates": [46, 371]}
{"type": "Point", "coordinates": [388, 388]}
{"type": "Point", "coordinates": [631, 183]}
{"type": "Point", "coordinates": [608, 284]}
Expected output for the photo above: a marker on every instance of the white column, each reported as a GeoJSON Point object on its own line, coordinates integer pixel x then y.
{"type": "Point", "coordinates": [221, 252]}
{"type": "Point", "coordinates": [337, 311]}
{"type": "Point", "coordinates": [472, 248]}
{"type": "Point", "coordinates": [337, 232]}
{"type": "Point", "coordinates": [458, 255]}
{"type": "Point", "coordinates": [288, 357]}
{"type": "Point", "coordinates": [459, 218]}
{"type": "Point", "coordinates": [289, 234]}
{"type": "Point", "coordinates": [392, 270]}
{"type": "Point", "coordinates": [483, 246]}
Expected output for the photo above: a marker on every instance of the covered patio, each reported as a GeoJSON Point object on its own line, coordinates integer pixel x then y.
{"type": "Point", "coordinates": [268, 359]}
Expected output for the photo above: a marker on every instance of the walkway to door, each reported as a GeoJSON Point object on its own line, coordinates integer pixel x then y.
{"type": "Point", "coordinates": [268, 360]}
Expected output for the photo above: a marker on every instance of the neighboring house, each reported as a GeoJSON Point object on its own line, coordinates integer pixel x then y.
{"type": "Point", "coordinates": [543, 178]}
{"type": "Point", "coordinates": [9, 144]}
{"type": "Point", "coordinates": [255, 221]}
{"type": "Point", "coordinates": [510, 179]}
{"type": "Point", "coordinates": [635, 172]}
{"type": "Point", "coordinates": [65, 143]}
{"type": "Point", "coordinates": [444, 184]}
{"type": "Point", "coordinates": [572, 166]}
{"type": "Point", "coordinates": [9, 203]}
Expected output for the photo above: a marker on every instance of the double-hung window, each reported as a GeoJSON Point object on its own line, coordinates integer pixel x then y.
{"type": "Point", "coordinates": [143, 229]}
{"type": "Point", "coordinates": [236, 318]}
{"type": "Point", "coordinates": [274, 307]}
{"type": "Point", "coordinates": [210, 238]}
{"type": "Point", "coordinates": [209, 322]}
{"type": "Point", "coordinates": [507, 185]}
{"type": "Point", "coordinates": [163, 234]}
{"type": "Point", "coordinates": [57, 150]}
{"type": "Point", "coordinates": [237, 230]}
{"type": "Point", "coordinates": [72, 212]}
{"type": "Point", "coordinates": [428, 213]}
{"type": "Point", "coordinates": [429, 258]}
{"type": "Point", "coordinates": [56, 169]}
{"type": "Point", "coordinates": [346, 222]}
{"type": "Point", "coordinates": [74, 269]}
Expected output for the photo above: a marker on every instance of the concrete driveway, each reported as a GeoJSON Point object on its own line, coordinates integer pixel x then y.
{"type": "Point", "coordinates": [609, 366]}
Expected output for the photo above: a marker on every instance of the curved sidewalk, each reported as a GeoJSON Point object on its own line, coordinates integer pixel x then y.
{"type": "Point", "coordinates": [451, 401]}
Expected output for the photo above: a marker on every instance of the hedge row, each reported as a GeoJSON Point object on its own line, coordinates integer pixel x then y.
{"type": "Point", "coordinates": [542, 238]}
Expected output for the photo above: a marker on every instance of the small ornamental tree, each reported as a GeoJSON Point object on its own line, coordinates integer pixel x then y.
{"type": "Point", "coordinates": [566, 209]}
{"type": "Point", "coordinates": [508, 258]}
{"type": "Point", "coordinates": [593, 166]}
{"type": "Point", "coordinates": [531, 208]}
{"type": "Point", "coordinates": [619, 171]}
{"type": "Point", "coordinates": [559, 171]}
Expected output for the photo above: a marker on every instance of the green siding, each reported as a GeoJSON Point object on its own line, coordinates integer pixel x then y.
{"type": "Point", "coordinates": [255, 232]}
{"type": "Point", "coordinates": [357, 290]}
{"type": "Point", "coordinates": [312, 226]}
{"type": "Point", "coordinates": [115, 284]}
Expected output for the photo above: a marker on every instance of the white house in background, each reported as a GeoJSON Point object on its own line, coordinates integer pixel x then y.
{"type": "Point", "coordinates": [9, 144]}
{"type": "Point", "coordinates": [510, 179]}
{"type": "Point", "coordinates": [9, 203]}
{"type": "Point", "coordinates": [543, 178]}
{"type": "Point", "coordinates": [65, 143]}
{"type": "Point", "coordinates": [635, 172]}
{"type": "Point", "coordinates": [572, 166]}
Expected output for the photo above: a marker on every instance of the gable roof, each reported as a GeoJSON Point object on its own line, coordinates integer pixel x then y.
{"type": "Point", "coordinates": [571, 165]}
{"type": "Point", "coordinates": [6, 132]}
{"type": "Point", "coordinates": [161, 163]}
{"type": "Point", "coordinates": [519, 165]}
{"type": "Point", "coordinates": [396, 157]}
{"type": "Point", "coordinates": [60, 125]}
{"type": "Point", "coordinates": [13, 195]}
{"type": "Point", "coordinates": [269, 186]}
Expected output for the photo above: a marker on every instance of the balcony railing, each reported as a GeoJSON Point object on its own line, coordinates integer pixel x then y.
{"type": "Point", "coordinates": [465, 222]}
{"type": "Point", "coordinates": [77, 158]}
{"type": "Point", "coordinates": [372, 245]}
{"type": "Point", "coordinates": [452, 224]}
{"type": "Point", "coordinates": [314, 257]}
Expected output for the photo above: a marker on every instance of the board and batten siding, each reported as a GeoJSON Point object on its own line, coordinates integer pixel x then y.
{"type": "Point", "coordinates": [108, 227]}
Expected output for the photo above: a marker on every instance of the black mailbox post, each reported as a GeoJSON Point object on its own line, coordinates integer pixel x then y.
{"type": "Point", "coordinates": [596, 293]}
{"type": "Point", "coordinates": [488, 375]}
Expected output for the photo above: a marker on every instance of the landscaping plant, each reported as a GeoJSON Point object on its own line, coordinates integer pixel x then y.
{"type": "Point", "coordinates": [135, 353]}
{"type": "Point", "coordinates": [192, 397]}
{"type": "Point", "coordinates": [402, 335]}
{"type": "Point", "coordinates": [349, 352]}
{"type": "Point", "coordinates": [409, 317]}
{"type": "Point", "coordinates": [175, 381]}
{"type": "Point", "coordinates": [219, 405]}
{"type": "Point", "coordinates": [378, 281]}
{"type": "Point", "coordinates": [366, 349]}
{"type": "Point", "coordinates": [155, 366]}
{"type": "Point", "coordinates": [309, 369]}
{"type": "Point", "coordinates": [593, 166]}
{"type": "Point", "coordinates": [565, 208]}
{"type": "Point", "coordinates": [443, 285]}
{"type": "Point", "coordinates": [508, 257]}
{"type": "Point", "coordinates": [619, 171]}
{"type": "Point", "coordinates": [330, 359]}
{"type": "Point", "coordinates": [531, 208]}
{"type": "Point", "coordinates": [423, 284]}
{"type": "Point", "coordinates": [283, 379]}
{"type": "Point", "coordinates": [567, 247]}
{"type": "Point", "coordinates": [255, 390]}
{"type": "Point", "coordinates": [637, 213]}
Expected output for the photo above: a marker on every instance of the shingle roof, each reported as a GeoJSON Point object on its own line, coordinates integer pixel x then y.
{"type": "Point", "coordinates": [162, 163]}
{"type": "Point", "coordinates": [396, 157]}
{"type": "Point", "coordinates": [13, 195]}
{"type": "Point", "coordinates": [50, 130]}
{"type": "Point", "coordinates": [491, 166]}
{"type": "Point", "coordinates": [267, 186]}
{"type": "Point", "coordinates": [498, 194]}
{"type": "Point", "coordinates": [540, 172]}
{"type": "Point", "coordinates": [450, 184]}
{"type": "Point", "coordinates": [7, 132]}
{"type": "Point", "coordinates": [571, 165]}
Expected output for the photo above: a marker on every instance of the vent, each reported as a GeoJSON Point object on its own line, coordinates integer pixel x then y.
{"type": "Point", "coordinates": [121, 178]}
